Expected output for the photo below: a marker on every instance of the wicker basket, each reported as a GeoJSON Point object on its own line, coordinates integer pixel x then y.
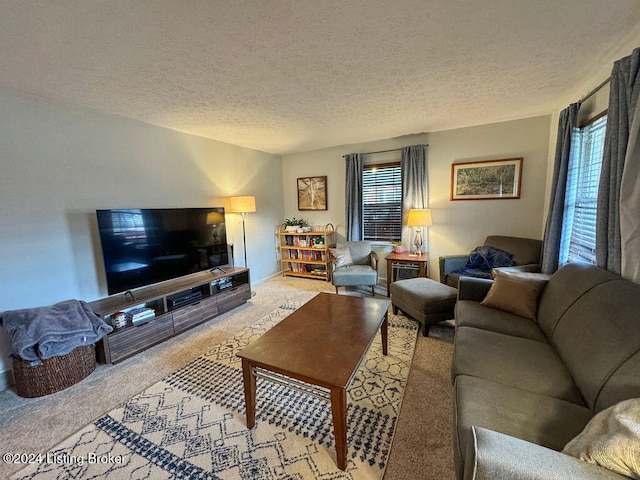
{"type": "Point", "coordinates": [54, 374]}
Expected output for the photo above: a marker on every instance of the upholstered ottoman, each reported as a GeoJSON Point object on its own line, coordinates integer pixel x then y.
{"type": "Point", "coordinates": [426, 300]}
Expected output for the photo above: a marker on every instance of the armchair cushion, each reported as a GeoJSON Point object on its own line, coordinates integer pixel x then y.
{"type": "Point", "coordinates": [355, 275]}
{"type": "Point", "coordinates": [360, 252]}
{"type": "Point", "coordinates": [341, 257]}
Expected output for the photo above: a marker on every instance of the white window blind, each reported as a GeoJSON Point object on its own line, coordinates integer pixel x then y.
{"type": "Point", "coordinates": [382, 201]}
{"type": "Point", "coordinates": [579, 224]}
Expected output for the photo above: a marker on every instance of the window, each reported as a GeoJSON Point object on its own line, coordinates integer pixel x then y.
{"type": "Point", "coordinates": [128, 224]}
{"type": "Point", "coordinates": [382, 201]}
{"type": "Point", "coordinates": [579, 224]}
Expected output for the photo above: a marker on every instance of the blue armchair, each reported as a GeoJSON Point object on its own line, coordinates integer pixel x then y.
{"type": "Point", "coordinates": [353, 265]}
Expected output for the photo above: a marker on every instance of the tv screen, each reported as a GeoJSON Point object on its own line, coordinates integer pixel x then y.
{"type": "Point", "coordinates": [145, 246]}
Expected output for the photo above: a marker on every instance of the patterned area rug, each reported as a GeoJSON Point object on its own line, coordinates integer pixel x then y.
{"type": "Point", "coordinates": [191, 425]}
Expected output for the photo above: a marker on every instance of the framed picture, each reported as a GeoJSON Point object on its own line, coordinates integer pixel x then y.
{"type": "Point", "coordinates": [486, 179]}
{"type": "Point", "coordinates": [312, 193]}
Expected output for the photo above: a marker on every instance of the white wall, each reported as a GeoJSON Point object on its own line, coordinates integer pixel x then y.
{"type": "Point", "coordinates": [59, 164]}
{"type": "Point", "coordinates": [460, 225]}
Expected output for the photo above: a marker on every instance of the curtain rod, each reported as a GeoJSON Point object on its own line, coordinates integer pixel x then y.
{"type": "Point", "coordinates": [385, 151]}
{"type": "Point", "coordinates": [594, 91]}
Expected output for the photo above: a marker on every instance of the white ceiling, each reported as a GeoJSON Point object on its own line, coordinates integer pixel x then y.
{"type": "Point", "coordinates": [285, 76]}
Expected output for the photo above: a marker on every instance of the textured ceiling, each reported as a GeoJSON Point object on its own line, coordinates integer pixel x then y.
{"type": "Point", "coordinates": [285, 76]}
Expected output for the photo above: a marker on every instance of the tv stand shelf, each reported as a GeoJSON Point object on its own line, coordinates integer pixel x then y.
{"type": "Point", "coordinates": [178, 305]}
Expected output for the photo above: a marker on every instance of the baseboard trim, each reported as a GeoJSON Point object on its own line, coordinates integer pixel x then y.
{"type": "Point", "coordinates": [268, 277]}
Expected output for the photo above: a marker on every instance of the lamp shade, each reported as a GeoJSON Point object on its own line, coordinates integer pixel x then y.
{"type": "Point", "coordinates": [419, 217]}
{"type": "Point", "coordinates": [215, 218]}
{"type": "Point", "coordinates": [242, 204]}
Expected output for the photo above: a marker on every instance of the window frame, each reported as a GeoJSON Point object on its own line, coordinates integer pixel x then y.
{"type": "Point", "coordinates": [396, 207]}
{"type": "Point", "coordinates": [578, 241]}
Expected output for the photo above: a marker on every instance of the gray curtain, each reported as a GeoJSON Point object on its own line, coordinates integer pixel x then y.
{"type": "Point", "coordinates": [623, 99]}
{"type": "Point", "coordinates": [630, 185]}
{"type": "Point", "coordinates": [413, 163]}
{"type": "Point", "coordinates": [555, 216]}
{"type": "Point", "coordinates": [353, 197]}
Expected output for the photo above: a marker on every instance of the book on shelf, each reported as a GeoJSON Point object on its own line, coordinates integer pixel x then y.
{"type": "Point", "coordinates": [141, 314]}
{"type": "Point", "coordinates": [307, 255]}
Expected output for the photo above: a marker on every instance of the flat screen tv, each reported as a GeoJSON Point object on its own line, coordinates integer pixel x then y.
{"type": "Point", "coordinates": [146, 246]}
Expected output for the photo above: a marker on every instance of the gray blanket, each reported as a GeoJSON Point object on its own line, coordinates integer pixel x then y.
{"type": "Point", "coordinates": [45, 332]}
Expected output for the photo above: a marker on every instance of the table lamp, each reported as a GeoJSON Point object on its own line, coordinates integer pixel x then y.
{"type": "Point", "coordinates": [419, 218]}
{"type": "Point", "coordinates": [214, 219]}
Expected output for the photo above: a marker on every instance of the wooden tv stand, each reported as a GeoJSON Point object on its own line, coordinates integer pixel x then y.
{"type": "Point", "coordinates": [179, 304]}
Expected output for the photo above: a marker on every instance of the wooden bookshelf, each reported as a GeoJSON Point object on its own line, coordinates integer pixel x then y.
{"type": "Point", "coordinates": [306, 254]}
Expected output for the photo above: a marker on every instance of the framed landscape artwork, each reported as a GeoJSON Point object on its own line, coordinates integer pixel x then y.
{"type": "Point", "coordinates": [312, 193]}
{"type": "Point", "coordinates": [486, 179]}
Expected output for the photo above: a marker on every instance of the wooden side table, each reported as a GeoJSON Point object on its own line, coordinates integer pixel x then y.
{"type": "Point", "coordinates": [404, 259]}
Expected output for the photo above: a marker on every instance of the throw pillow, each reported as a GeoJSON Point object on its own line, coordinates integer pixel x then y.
{"type": "Point", "coordinates": [516, 293]}
{"type": "Point", "coordinates": [611, 439]}
{"type": "Point", "coordinates": [341, 256]}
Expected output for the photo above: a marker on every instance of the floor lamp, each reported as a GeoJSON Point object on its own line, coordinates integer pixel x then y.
{"type": "Point", "coordinates": [243, 204]}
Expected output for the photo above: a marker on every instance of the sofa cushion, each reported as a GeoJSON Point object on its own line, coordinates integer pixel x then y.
{"type": "Point", "coordinates": [540, 419]}
{"type": "Point", "coordinates": [622, 384]}
{"type": "Point", "coordinates": [611, 439]}
{"type": "Point", "coordinates": [597, 335]}
{"type": "Point", "coordinates": [565, 287]}
{"type": "Point", "coordinates": [472, 314]}
{"type": "Point", "coordinates": [516, 293]}
{"type": "Point", "coordinates": [342, 256]}
{"type": "Point", "coordinates": [513, 361]}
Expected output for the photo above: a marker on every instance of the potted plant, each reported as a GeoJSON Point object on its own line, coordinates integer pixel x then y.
{"type": "Point", "coordinates": [294, 224]}
{"type": "Point", "coordinates": [397, 247]}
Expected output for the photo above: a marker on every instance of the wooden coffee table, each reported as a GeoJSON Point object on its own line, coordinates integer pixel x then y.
{"type": "Point", "coordinates": [317, 350]}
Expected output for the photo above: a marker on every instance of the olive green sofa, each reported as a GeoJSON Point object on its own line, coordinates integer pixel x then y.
{"type": "Point", "coordinates": [523, 387]}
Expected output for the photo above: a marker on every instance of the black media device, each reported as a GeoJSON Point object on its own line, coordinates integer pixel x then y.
{"type": "Point", "coordinates": [188, 297]}
{"type": "Point", "coordinates": [146, 246]}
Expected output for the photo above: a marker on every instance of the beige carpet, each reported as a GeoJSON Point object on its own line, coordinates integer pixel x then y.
{"type": "Point", "coordinates": [422, 447]}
